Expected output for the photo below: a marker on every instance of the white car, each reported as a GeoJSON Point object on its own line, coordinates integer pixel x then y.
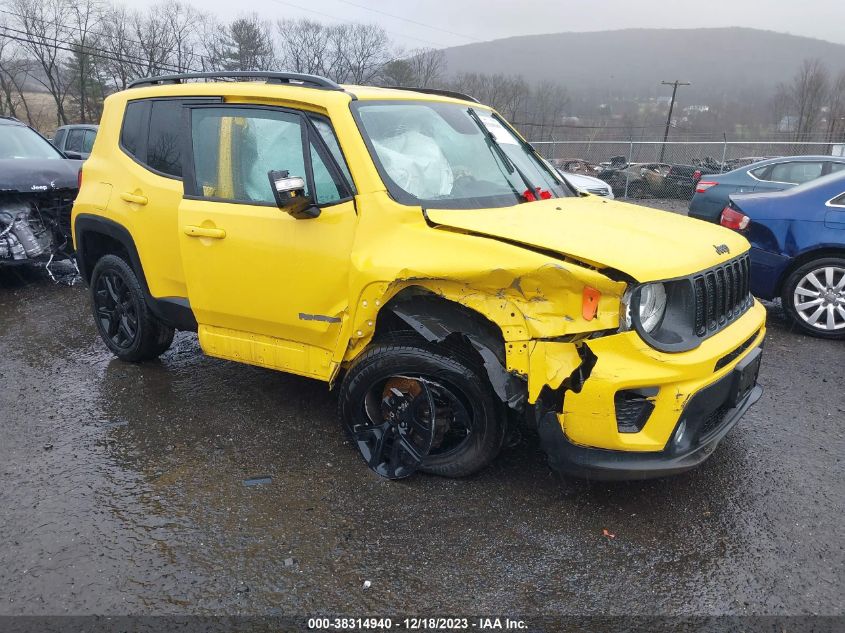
{"type": "Point", "coordinates": [588, 184]}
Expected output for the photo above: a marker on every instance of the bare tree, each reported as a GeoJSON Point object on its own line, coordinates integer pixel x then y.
{"type": "Point", "coordinates": [184, 23]}
{"type": "Point", "coordinates": [428, 66]}
{"type": "Point", "coordinates": [119, 47]}
{"type": "Point", "coordinates": [421, 68]}
{"type": "Point", "coordinates": [544, 110]}
{"type": "Point", "coordinates": [81, 68]}
{"type": "Point", "coordinates": [836, 108]}
{"type": "Point", "coordinates": [14, 69]}
{"type": "Point", "coordinates": [155, 41]}
{"type": "Point", "coordinates": [781, 105]}
{"type": "Point", "coordinates": [43, 23]}
{"type": "Point", "coordinates": [213, 38]}
{"type": "Point", "coordinates": [808, 92]}
{"type": "Point", "coordinates": [304, 46]}
{"type": "Point", "coordinates": [360, 50]}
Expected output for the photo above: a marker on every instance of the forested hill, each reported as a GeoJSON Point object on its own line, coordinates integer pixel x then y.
{"type": "Point", "coordinates": [633, 62]}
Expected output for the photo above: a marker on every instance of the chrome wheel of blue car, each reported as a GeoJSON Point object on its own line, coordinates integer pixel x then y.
{"type": "Point", "coordinates": [814, 296]}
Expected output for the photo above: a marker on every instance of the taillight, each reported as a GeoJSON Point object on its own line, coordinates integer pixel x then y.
{"type": "Point", "coordinates": [696, 176]}
{"type": "Point", "coordinates": [704, 185]}
{"type": "Point", "coordinates": [79, 179]}
{"type": "Point", "coordinates": [733, 219]}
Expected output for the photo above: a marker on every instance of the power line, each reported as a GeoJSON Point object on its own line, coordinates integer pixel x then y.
{"type": "Point", "coordinates": [674, 85]}
{"type": "Point", "coordinates": [73, 47]}
{"type": "Point", "coordinates": [410, 21]}
{"type": "Point", "coordinates": [90, 32]}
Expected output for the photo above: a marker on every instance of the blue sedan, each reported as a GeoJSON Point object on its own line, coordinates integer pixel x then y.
{"type": "Point", "coordinates": [775, 174]}
{"type": "Point", "coordinates": [798, 250]}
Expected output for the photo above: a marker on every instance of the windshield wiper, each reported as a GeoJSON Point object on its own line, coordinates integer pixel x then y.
{"type": "Point", "coordinates": [495, 148]}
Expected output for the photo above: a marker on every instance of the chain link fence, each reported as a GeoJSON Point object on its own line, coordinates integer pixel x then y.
{"type": "Point", "coordinates": [657, 169]}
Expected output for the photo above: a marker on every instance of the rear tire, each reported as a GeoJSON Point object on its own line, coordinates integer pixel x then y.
{"type": "Point", "coordinates": [469, 425]}
{"type": "Point", "coordinates": [814, 297]}
{"type": "Point", "coordinates": [124, 321]}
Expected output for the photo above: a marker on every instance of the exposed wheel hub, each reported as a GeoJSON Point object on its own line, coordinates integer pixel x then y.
{"type": "Point", "coordinates": [405, 419]}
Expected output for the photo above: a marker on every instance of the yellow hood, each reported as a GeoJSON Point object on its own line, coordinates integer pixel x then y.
{"type": "Point", "coordinates": [647, 244]}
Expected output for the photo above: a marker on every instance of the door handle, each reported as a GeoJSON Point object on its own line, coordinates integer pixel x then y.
{"type": "Point", "coordinates": [134, 197]}
{"type": "Point", "coordinates": [202, 231]}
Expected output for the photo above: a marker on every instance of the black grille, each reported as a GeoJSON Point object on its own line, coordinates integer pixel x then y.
{"type": "Point", "coordinates": [712, 421]}
{"type": "Point", "coordinates": [721, 295]}
{"type": "Point", "coordinates": [729, 358]}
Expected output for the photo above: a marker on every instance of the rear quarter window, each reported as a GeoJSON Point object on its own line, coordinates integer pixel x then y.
{"type": "Point", "coordinates": [134, 119]}
{"type": "Point", "coordinates": [152, 132]}
{"type": "Point", "coordinates": [164, 144]}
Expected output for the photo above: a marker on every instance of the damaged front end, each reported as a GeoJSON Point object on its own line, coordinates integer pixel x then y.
{"type": "Point", "coordinates": [35, 227]}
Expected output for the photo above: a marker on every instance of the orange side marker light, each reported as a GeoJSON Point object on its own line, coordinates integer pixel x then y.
{"type": "Point", "coordinates": [590, 305]}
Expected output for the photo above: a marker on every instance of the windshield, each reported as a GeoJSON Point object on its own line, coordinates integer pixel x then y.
{"type": "Point", "coordinates": [445, 155]}
{"type": "Point", "coordinates": [18, 141]}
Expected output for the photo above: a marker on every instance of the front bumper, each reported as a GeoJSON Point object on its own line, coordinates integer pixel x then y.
{"type": "Point", "coordinates": [587, 438]}
{"type": "Point", "coordinates": [707, 420]}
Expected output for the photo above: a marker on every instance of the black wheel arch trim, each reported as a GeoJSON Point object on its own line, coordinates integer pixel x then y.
{"type": "Point", "coordinates": [436, 319]}
{"type": "Point", "coordinates": [175, 312]}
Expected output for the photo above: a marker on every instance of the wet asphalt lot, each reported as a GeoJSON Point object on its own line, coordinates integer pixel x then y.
{"type": "Point", "coordinates": [122, 491]}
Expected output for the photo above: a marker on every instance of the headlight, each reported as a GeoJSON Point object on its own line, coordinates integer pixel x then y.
{"type": "Point", "coordinates": [652, 305]}
{"type": "Point", "coordinates": [663, 313]}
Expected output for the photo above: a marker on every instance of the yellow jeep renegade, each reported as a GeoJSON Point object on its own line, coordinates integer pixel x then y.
{"type": "Point", "coordinates": [412, 247]}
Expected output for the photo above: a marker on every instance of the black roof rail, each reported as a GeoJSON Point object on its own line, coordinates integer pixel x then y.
{"type": "Point", "coordinates": [308, 81]}
{"type": "Point", "coordinates": [437, 91]}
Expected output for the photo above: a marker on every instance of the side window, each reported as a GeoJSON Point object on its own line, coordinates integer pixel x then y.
{"type": "Point", "coordinates": [797, 173]}
{"type": "Point", "coordinates": [329, 138]}
{"type": "Point", "coordinates": [839, 200]}
{"type": "Point", "coordinates": [59, 138]}
{"type": "Point", "coordinates": [164, 143]}
{"type": "Point", "coordinates": [88, 141]}
{"type": "Point", "coordinates": [135, 120]}
{"type": "Point", "coordinates": [836, 167]}
{"type": "Point", "coordinates": [760, 172]}
{"type": "Point", "coordinates": [234, 149]}
{"type": "Point", "coordinates": [74, 141]}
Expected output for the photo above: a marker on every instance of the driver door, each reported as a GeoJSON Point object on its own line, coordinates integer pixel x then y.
{"type": "Point", "coordinates": [266, 288]}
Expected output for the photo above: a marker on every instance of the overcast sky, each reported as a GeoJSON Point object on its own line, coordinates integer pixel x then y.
{"type": "Point", "coordinates": [441, 23]}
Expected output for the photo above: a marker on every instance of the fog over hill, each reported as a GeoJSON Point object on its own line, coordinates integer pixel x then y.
{"type": "Point", "coordinates": [719, 62]}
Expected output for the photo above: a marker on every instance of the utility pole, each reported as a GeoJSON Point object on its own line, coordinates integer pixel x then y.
{"type": "Point", "coordinates": [674, 85]}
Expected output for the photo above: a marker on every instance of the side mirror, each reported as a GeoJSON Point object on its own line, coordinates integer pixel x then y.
{"type": "Point", "coordinates": [289, 192]}
{"type": "Point", "coordinates": [73, 155]}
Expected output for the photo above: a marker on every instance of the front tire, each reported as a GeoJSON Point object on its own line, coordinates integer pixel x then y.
{"type": "Point", "coordinates": [386, 403]}
{"type": "Point", "coordinates": [814, 297]}
{"type": "Point", "coordinates": [124, 321]}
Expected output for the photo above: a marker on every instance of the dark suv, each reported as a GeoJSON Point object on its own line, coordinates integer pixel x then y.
{"type": "Point", "coordinates": [37, 188]}
{"type": "Point", "coordinates": [76, 140]}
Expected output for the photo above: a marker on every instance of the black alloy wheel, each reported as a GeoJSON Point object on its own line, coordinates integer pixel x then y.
{"type": "Point", "coordinates": [413, 406]}
{"type": "Point", "coordinates": [115, 311]}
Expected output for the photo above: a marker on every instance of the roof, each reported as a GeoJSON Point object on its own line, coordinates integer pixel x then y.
{"type": "Point", "coordinates": [10, 120]}
{"type": "Point", "coordinates": [318, 96]}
